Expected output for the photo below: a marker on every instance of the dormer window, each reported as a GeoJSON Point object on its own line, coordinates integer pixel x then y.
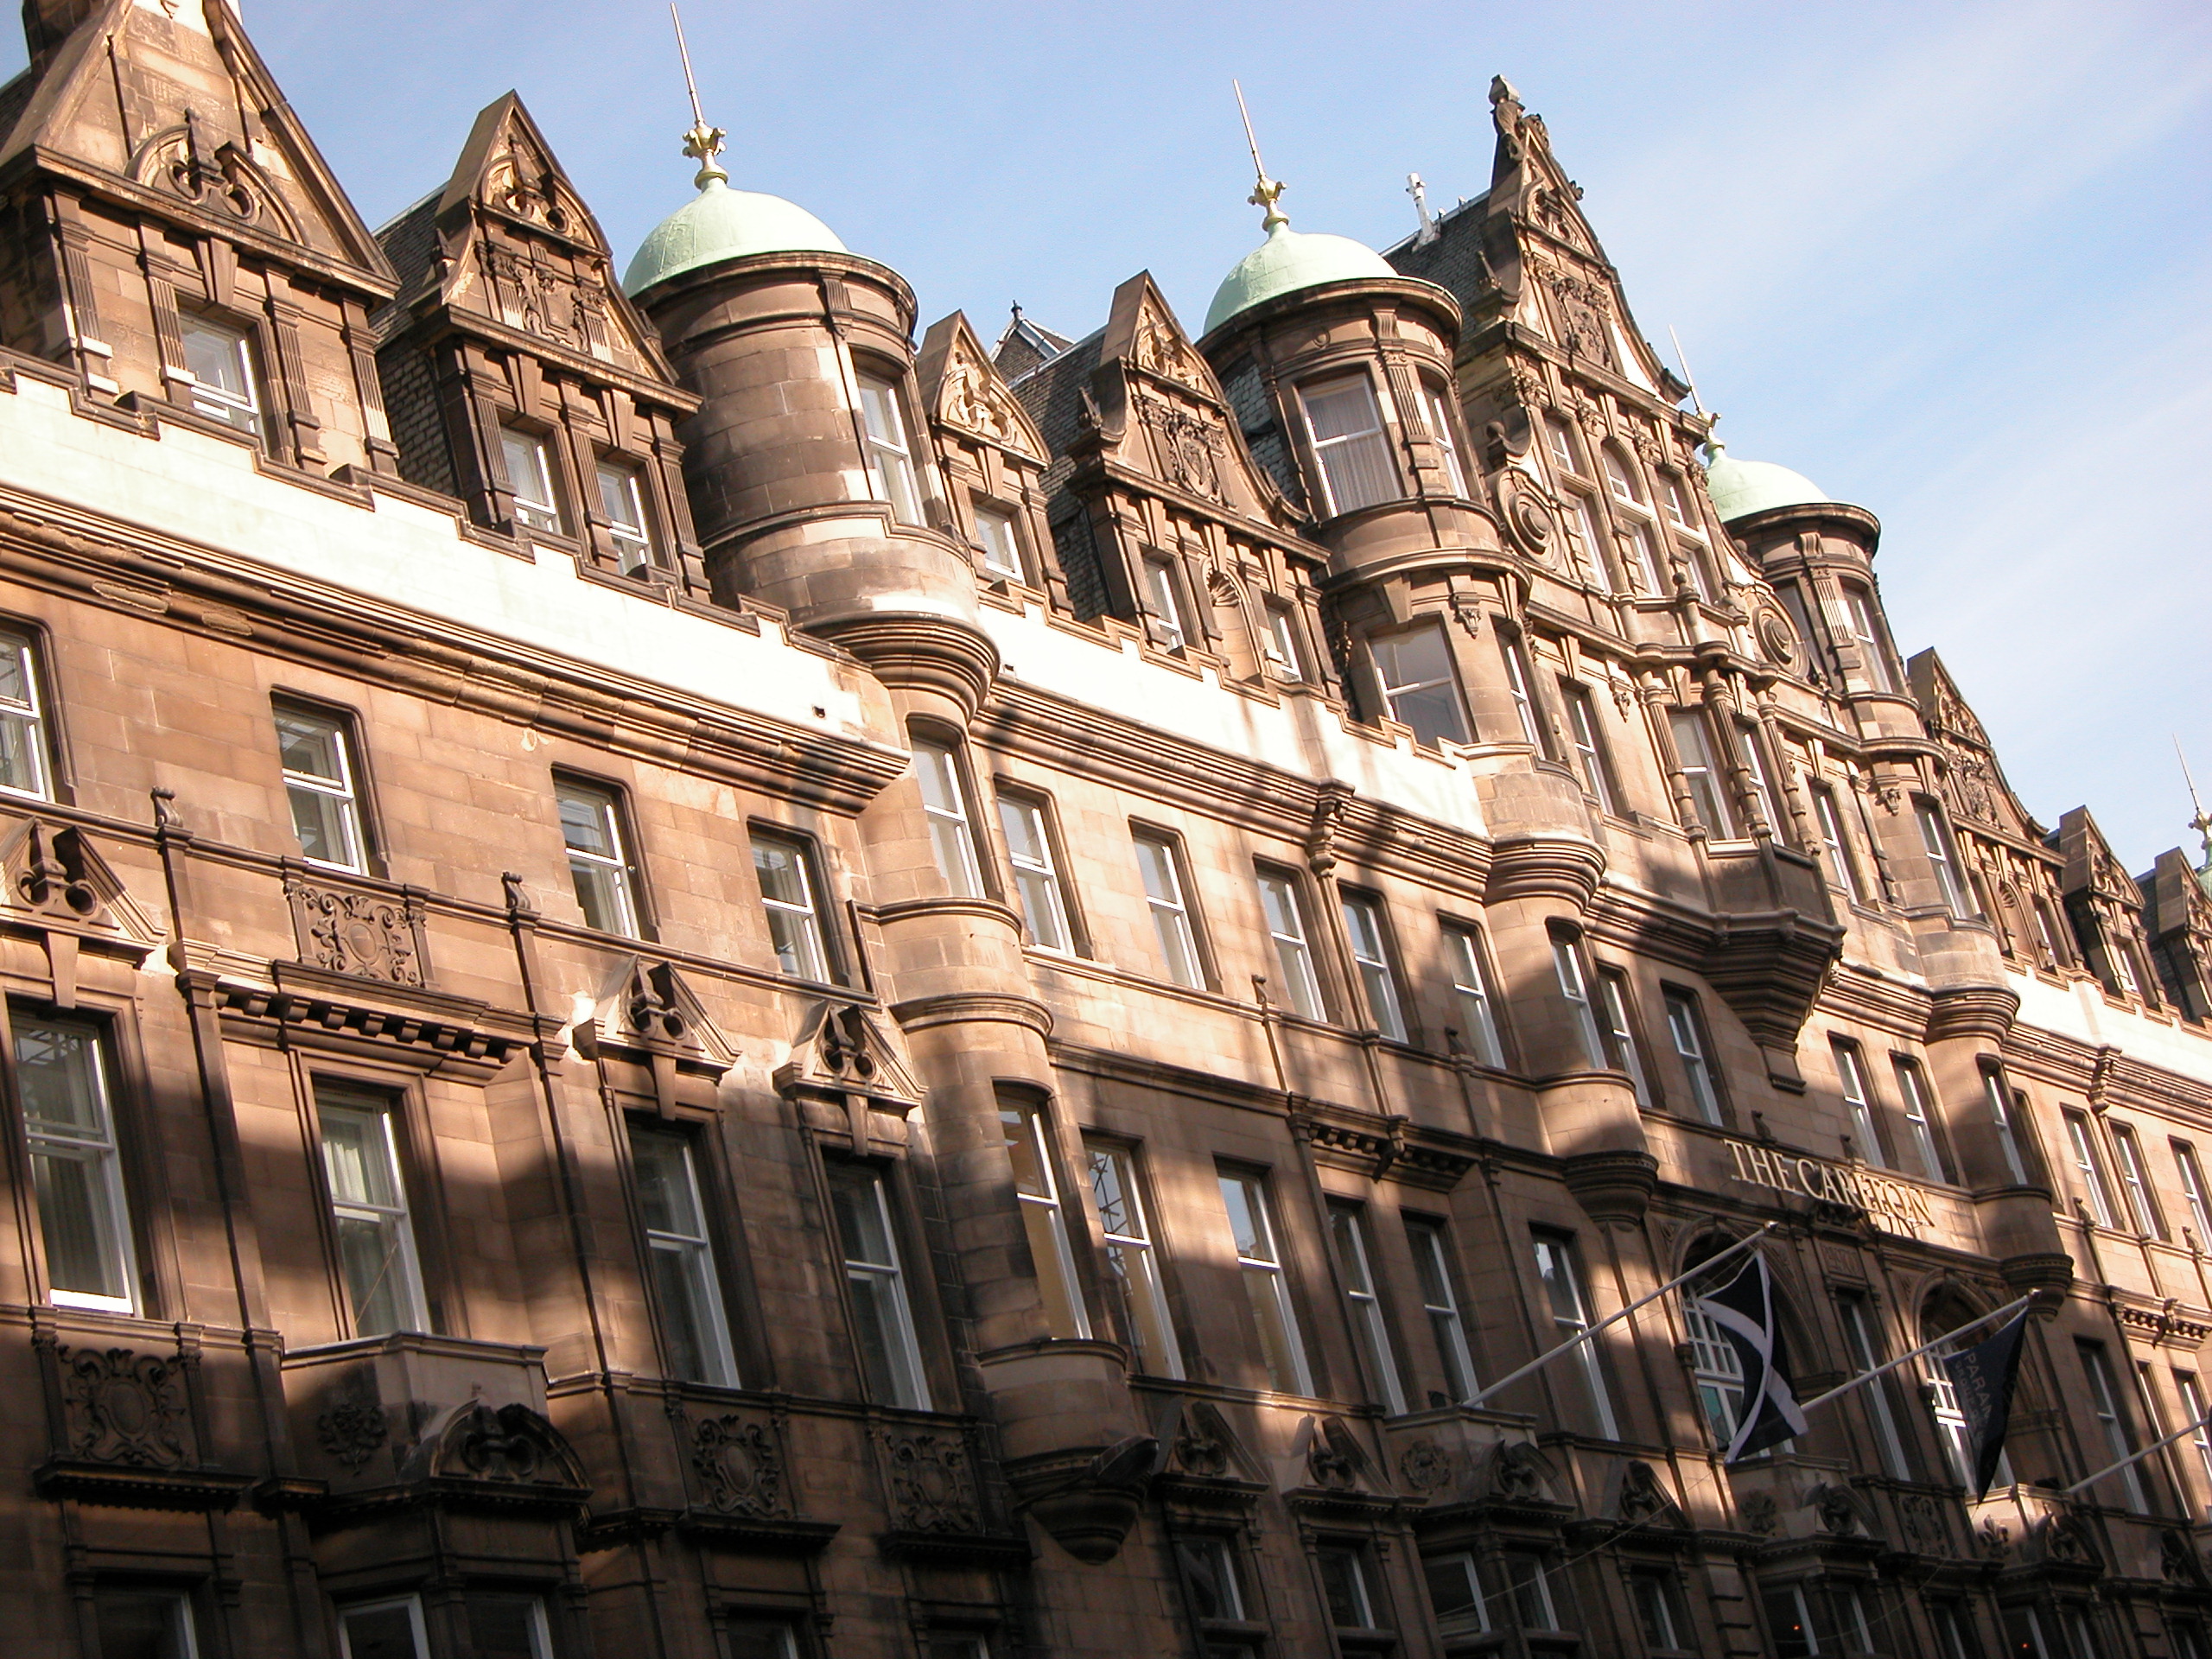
{"type": "Point", "coordinates": [225, 386]}
{"type": "Point", "coordinates": [529, 474]}
{"type": "Point", "coordinates": [1285, 661]}
{"type": "Point", "coordinates": [1167, 629]}
{"type": "Point", "coordinates": [890, 457]}
{"type": "Point", "coordinates": [1345, 424]}
{"type": "Point", "coordinates": [622, 498]}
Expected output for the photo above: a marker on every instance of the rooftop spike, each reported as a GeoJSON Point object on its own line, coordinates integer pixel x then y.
{"type": "Point", "coordinates": [1418, 192]}
{"type": "Point", "coordinates": [1265, 194]}
{"type": "Point", "coordinates": [2203, 822]}
{"type": "Point", "coordinates": [702, 143]}
{"type": "Point", "coordinates": [1696, 402]}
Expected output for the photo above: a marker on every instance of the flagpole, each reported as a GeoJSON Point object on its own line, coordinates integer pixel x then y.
{"type": "Point", "coordinates": [1891, 1365]}
{"type": "Point", "coordinates": [1551, 1354]}
{"type": "Point", "coordinates": [2136, 1457]}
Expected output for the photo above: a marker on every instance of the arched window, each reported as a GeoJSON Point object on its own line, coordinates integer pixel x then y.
{"type": "Point", "coordinates": [1635, 514]}
{"type": "Point", "coordinates": [1715, 1370]}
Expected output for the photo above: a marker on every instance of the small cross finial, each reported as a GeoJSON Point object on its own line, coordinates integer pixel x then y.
{"type": "Point", "coordinates": [704, 143]}
{"type": "Point", "coordinates": [1418, 192]}
{"type": "Point", "coordinates": [1267, 192]}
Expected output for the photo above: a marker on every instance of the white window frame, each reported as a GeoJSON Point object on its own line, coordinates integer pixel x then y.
{"type": "Point", "coordinates": [1655, 1607]}
{"type": "Point", "coordinates": [1367, 931]}
{"type": "Point", "coordinates": [632, 536]}
{"type": "Point", "coordinates": [24, 718]}
{"type": "Point", "coordinates": [1283, 909]}
{"type": "Point", "coordinates": [2089, 1165]}
{"type": "Point", "coordinates": [2192, 1400]}
{"type": "Point", "coordinates": [412, 1604]}
{"type": "Point", "coordinates": [1441, 1302]}
{"type": "Point", "coordinates": [1266, 1283]}
{"type": "Point", "coordinates": [1515, 653]}
{"type": "Point", "coordinates": [402, 1261]}
{"type": "Point", "coordinates": [1858, 1099]}
{"type": "Point", "coordinates": [2135, 1181]}
{"type": "Point", "coordinates": [185, 1624]}
{"type": "Point", "coordinates": [1163, 594]}
{"type": "Point", "coordinates": [1912, 1086]}
{"type": "Point", "coordinates": [538, 498]}
{"type": "Point", "coordinates": [1710, 806]}
{"type": "Point", "coordinates": [1865, 634]}
{"type": "Point", "coordinates": [1285, 658]}
{"type": "Point", "coordinates": [1860, 1338]}
{"type": "Point", "coordinates": [1560, 441]}
{"type": "Point", "coordinates": [1589, 748]}
{"type": "Point", "coordinates": [1044, 1217]}
{"type": "Point", "coordinates": [1951, 1424]}
{"type": "Point", "coordinates": [802, 943]}
{"type": "Point", "coordinates": [887, 448]}
{"type": "Point", "coordinates": [693, 1252]}
{"type": "Point", "coordinates": [1339, 458]}
{"type": "Point", "coordinates": [618, 870]}
{"type": "Point", "coordinates": [1574, 990]}
{"type": "Point", "coordinates": [1537, 1584]}
{"type": "Point", "coordinates": [1132, 1257]}
{"type": "Point", "coordinates": [99, 1148]}
{"type": "Point", "coordinates": [1383, 653]}
{"type": "Point", "coordinates": [1348, 1234]}
{"type": "Point", "coordinates": [2193, 1189]}
{"type": "Point", "coordinates": [342, 791]}
{"type": "Point", "coordinates": [245, 412]}
{"type": "Point", "coordinates": [1748, 745]}
{"type": "Point", "coordinates": [1843, 870]}
{"type": "Point", "coordinates": [1471, 986]}
{"type": "Point", "coordinates": [1716, 1373]}
{"type": "Point", "coordinates": [1160, 864]}
{"type": "Point", "coordinates": [997, 532]}
{"type": "Point", "coordinates": [1571, 1315]}
{"type": "Point", "coordinates": [2000, 1116]}
{"type": "Point", "coordinates": [2105, 1407]}
{"type": "Point", "coordinates": [1036, 872]}
{"type": "Point", "coordinates": [1622, 485]}
{"type": "Point", "coordinates": [1612, 994]}
{"type": "Point", "coordinates": [1590, 518]}
{"type": "Point", "coordinates": [1472, 1620]}
{"type": "Point", "coordinates": [908, 1381]}
{"type": "Point", "coordinates": [1363, 1594]}
{"type": "Point", "coordinates": [1440, 420]}
{"type": "Point", "coordinates": [1942, 859]}
{"type": "Point", "coordinates": [944, 786]}
{"type": "Point", "coordinates": [1686, 1027]}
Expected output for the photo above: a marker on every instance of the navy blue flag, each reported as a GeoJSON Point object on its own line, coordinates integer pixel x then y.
{"type": "Point", "coordinates": [1743, 1310]}
{"type": "Point", "coordinates": [1983, 1376]}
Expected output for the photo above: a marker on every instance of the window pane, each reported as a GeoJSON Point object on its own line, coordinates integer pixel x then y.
{"type": "Point", "coordinates": [1269, 1298]}
{"type": "Point", "coordinates": [598, 865]}
{"type": "Point", "coordinates": [1344, 1585]}
{"type": "Point", "coordinates": [376, 1246]}
{"type": "Point", "coordinates": [505, 1627]}
{"type": "Point", "coordinates": [1210, 1571]}
{"type": "Point", "coordinates": [891, 466]}
{"type": "Point", "coordinates": [1363, 924]}
{"type": "Point", "coordinates": [883, 1323]}
{"type": "Point", "coordinates": [1471, 984]}
{"type": "Point", "coordinates": [787, 897]}
{"type": "Point", "coordinates": [1287, 926]}
{"type": "Point", "coordinates": [529, 474]}
{"type": "Point", "coordinates": [1133, 1271]}
{"type": "Point", "coordinates": [144, 1625]}
{"type": "Point", "coordinates": [1002, 549]}
{"type": "Point", "coordinates": [1414, 669]}
{"type": "Point", "coordinates": [1036, 882]}
{"type": "Point", "coordinates": [760, 1638]}
{"type": "Point", "coordinates": [1347, 439]}
{"type": "Point", "coordinates": [387, 1630]}
{"type": "Point", "coordinates": [1171, 919]}
{"type": "Point", "coordinates": [1441, 1302]}
{"type": "Point", "coordinates": [945, 803]}
{"type": "Point", "coordinates": [61, 1078]}
{"type": "Point", "coordinates": [1455, 1594]}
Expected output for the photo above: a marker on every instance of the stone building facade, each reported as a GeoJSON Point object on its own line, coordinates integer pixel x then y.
{"type": "Point", "coordinates": [690, 972]}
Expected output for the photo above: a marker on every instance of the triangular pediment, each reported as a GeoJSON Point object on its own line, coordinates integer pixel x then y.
{"type": "Point", "coordinates": [964, 391]}
{"type": "Point", "coordinates": [1973, 784]}
{"type": "Point", "coordinates": [509, 242]}
{"type": "Point", "coordinates": [842, 1049]}
{"type": "Point", "coordinates": [648, 1006]}
{"type": "Point", "coordinates": [2090, 866]}
{"type": "Point", "coordinates": [1164, 413]}
{"type": "Point", "coordinates": [56, 878]}
{"type": "Point", "coordinates": [164, 105]}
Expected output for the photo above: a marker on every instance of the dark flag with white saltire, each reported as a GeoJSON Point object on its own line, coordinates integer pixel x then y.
{"type": "Point", "coordinates": [1743, 1310]}
{"type": "Point", "coordinates": [1983, 1376]}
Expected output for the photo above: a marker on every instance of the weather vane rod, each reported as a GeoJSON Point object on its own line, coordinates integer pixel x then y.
{"type": "Point", "coordinates": [1696, 402]}
{"type": "Point", "coordinates": [2201, 823]}
{"type": "Point", "coordinates": [1267, 191]}
{"type": "Point", "coordinates": [702, 143]}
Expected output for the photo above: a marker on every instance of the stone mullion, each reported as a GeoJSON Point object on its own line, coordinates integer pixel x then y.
{"type": "Point", "coordinates": [1653, 692]}
{"type": "Point", "coordinates": [80, 296]}
{"type": "Point", "coordinates": [285, 318]}
{"type": "Point", "coordinates": [376, 421]}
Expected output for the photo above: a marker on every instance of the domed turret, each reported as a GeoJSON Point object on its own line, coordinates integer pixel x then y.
{"type": "Point", "coordinates": [719, 224]}
{"type": "Point", "coordinates": [1287, 261]}
{"type": "Point", "coordinates": [1740, 488]}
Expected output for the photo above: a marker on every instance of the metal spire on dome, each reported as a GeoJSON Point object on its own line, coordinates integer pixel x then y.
{"type": "Point", "coordinates": [702, 143]}
{"type": "Point", "coordinates": [2203, 822]}
{"type": "Point", "coordinates": [1696, 402]}
{"type": "Point", "coordinates": [1267, 193]}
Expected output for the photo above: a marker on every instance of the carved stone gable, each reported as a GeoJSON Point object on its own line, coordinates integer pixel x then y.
{"type": "Point", "coordinates": [56, 879]}
{"type": "Point", "coordinates": [969, 395]}
{"type": "Point", "coordinates": [510, 1445]}
{"type": "Point", "coordinates": [843, 1049]}
{"type": "Point", "coordinates": [648, 1005]}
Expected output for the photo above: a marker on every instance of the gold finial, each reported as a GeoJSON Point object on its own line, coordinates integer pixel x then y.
{"type": "Point", "coordinates": [702, 143]}
{"type": "Point", "coordinates": [1267, 191]}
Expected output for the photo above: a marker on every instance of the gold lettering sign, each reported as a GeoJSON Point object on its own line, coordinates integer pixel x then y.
{"type": "Point", "coordinates": [1897, 1207]}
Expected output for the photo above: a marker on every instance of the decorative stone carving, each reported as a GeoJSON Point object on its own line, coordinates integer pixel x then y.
{"type": "Point", "coordinates": [52, 879]}
{"type": "Point", "coordinates": [353, 1432]}
{"type": "Point", "coordinates": [2178, 1562]}
{"type": "Point", "coordinates": [974, 399]}
{"type": "Point", "coordinates": [1837, 1510]}
{"type": "Point", "coordinates": [740, 1466]}
{"type": "Point", "coordinates": [512, 1445]}
{"type": "Point", "coordinates": [124, 1407]}
{"type": "Point", "coordinates": [1187, 444]}
{"type": "Point", "coordinates": [1585, 330]}
{"type": "Point", "coordinates": [1425, 1467]}
{"type": "Point", "coordinates": [1994, 1541]}
{"type": "Point", "coordinates": [1777, 640]}
{"type": "Point", "coordinates": [1643, 1501]}
{"type": "Point", "coordinates": [839, 1049]}
{"type": "Point", "coordinates": [369, 935]}
{"type": "Point", "coordinates": [1160, 350]}
{"type": "Point", "coordinates": [932, 1485]}
{"type": "Point", "coordinates": [654, 1009]}
{"type": "Point", "coordinates": [1206, 1446]}
{"type": "Point", "coordinates": [188, 161]}
{"type": "Point", "coordinates": [1515, 1471]}
{"type": "Point", "coordinates": [1333, 1457]}
{"type": "Point", "coordinates": [1762, 1515]}
{"type": "Point", "coordinates": [1924, 1523]}
{"type": "Point", "coordinates": [2066, 1538]}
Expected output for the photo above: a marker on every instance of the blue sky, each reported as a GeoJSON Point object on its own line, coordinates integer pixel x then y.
{"type": "Point", "coordinates": [1950, 261]}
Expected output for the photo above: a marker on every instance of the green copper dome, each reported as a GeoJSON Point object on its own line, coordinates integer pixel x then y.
{"type": "Point", "coordinates": [719, 224]}
{"type": "Point", "coordinates": [1286, 262]}
{"type": "Point", "coordinates": [1740, 488]}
